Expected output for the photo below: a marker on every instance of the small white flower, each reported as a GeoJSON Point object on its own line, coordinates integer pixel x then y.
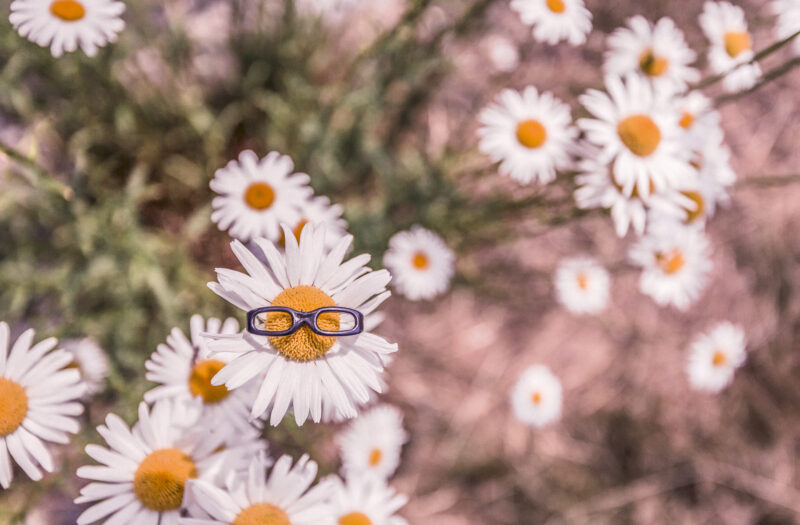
{"type": "Point", "coordinates": [697, 116]}
{"type": "Point", "coordinates": [731, 47]}
{"type": "Point", "coordinates": [371, 444]}
{"type": "Point", "coordinates": [365, 500]}
{"type": "Point", "coordinates": [90, 360]}
{"type": "Point", "coordinates": [715, 357]}
{"type": "Point", "coordinates": [529, 133]}
{"type": "Point", "coordinates": [555, 20]}
{"type": "Point", "coordinates": [537, 397]}
{"type": "Point", "coordinates": [421, 263]}
{"type": "Point", "coordinates": [503, 53]}
{"type": "Point", "coordinates": [66, 24]}
{"type": "Point", "coordinates": [788, 12]}
{"type": "Point", "coordinates": [658, 53]}
{"type": "Point", "coordinates": [582, 285]}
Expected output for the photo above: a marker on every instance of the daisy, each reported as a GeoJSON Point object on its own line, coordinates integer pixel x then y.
{"type": "Point", "coordinates": [421, 263]}
{"type": "Point", "coordinates": [257, 195]}
{"type": "Point", "coordinates": [715, 175]}
{"type": "Point", "coordinates": [788, 12]}
{"type": "Point", "coordinates": [144, 471]}
{"type": "Point", "coordinates": [675, 262]}
{"type": "Point", "coordinates": [37, 403]}
{"type": "Point", "coordinates": [302, 369]}
{"type": "Point", "coordinates": [636, 131]}
{"type": "Point", "coordinates": [697, 117]}
{"type": "Point", "coordinates": [90, 360]}
{"type": "Point", "coordinates": [731, 47]}
{"type": "Point", "coordinates": [537, 398]}
{"type": "Point", "coordinates": [321, 213]}
{"type": "Point", "coordinates": [371, 445]}
{"type": "Point", "coordinates": [582, 285]}
{"type": "Point", "coordinates": [284, 497]}
{"type": "Point", "coordinates": [365, 501]}
{"type": "Point", "coordinates": [555, 20]}
{"type": "Point", "coordinates": [659, 53]}
{"type": "Point", "coordinates": [66, 24]}
{"type": "Point", "coordinates": [716, 356]}
{"type": "Point", "coordinates": [184, 368]}
{"type": "Point", "coordinates": [528, 133]}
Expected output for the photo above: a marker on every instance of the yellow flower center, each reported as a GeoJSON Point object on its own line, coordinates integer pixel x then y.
{"type": "Point", "coordinates": [262, 514]}
{"type": "Point", "coordinates": [671, 262]}
{"type": "Point", "coordinates": [355, 518]}
{"type": "Point", "coordinates": [583, 281]}
{"type": "Point", "coordinates": [697, 198]}
{"type": "Point", "coordinates": [420, 261]}
{"type": "Point", "coordinates": [161, 478]}
{"type": "Point", "coordinates": [68, 10]}
{"type": "Point", "coordinates": [736, 43]}
{"type": "Point", "coordinates": [719, 358]}
{"type": "Point", "coordinates": [639, 134]}
{"type": "Point", "coordinates": [303, 345]}
{"type": "Point", "coordinates": [556, 6]}
{"type": "Point", "coordinates": [297, 231]}
{"type": "Point", "coordinates": [531, 133]}
{"type": "Point", "coordinates": [200, 381]}
{"type": "Point", "coordinates": [259, 196]}
{"type": "Point", "coordinates": [536, 397]}
{"type": "Point", "coordinates": [13, 406]}
{"type": "Point", "coordinates": [687, 119]}
{"type": "Point", "coordinates": [652, 65]}
{"type": "Point", "coordinates": [375, 457]}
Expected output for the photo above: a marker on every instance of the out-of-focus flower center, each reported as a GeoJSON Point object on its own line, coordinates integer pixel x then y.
{"type": "Point", "coordinates": [13, 406]}
{"type": "Point", "coordinates": [259, 196]}
{"type": "Point", "coordinates": [556, 6]}
{"type": "Point", "coordinates": [686, 121]}
{"type": "Point", "coordinates": [697, 198]}
{"type": "Point", "coordinates": [375, 457]}
{"type": "Point", "coordinates": [200, 381]}
{"type": "Point", "coordinates": [262, 514]}
{"type": "Point", "coordinates": [420, 261]}
{"type": "Point", "coordinates": [671, 262]}
{"type": "Point", "coordinates": [719, 358]}
{"type": "Point", "coordinates": [355, 518]}
{"type": "Point", "coordinates": [536, 398]}
{"type": "Point", "coordinates": [304, 344]}
{"type": "Point", "coordinates": [68, 10]}
{"type": "Point", "coordinates": [639, 134]}
{"type": "Point", "coordinates": [737, 42]}
{"type": "Point", "coordinates": [531, 133]}
{"type": "Point", "coordinates": [653, 65]}
{"type": "Point", "coordinates": [583, 281]}
{"type": "Point", "coordinates": [160, 480]}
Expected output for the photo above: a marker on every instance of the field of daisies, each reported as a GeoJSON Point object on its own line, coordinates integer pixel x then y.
{"type": "Point", "coordinates": [391, 262]}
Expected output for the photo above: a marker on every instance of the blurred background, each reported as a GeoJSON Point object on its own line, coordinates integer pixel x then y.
{"type": "Point", "coordinates": [105, 231]}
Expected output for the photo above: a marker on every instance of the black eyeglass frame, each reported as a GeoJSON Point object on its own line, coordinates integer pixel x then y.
{"type": "Point", "coordinates": [300, 318]}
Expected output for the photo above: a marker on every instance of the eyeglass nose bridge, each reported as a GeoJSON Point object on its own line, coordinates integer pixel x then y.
{"type": "Point", "coordinates": [310, 319]}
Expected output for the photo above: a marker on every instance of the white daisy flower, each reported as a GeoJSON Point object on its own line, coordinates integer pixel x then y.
{"type": "Point", "coordinates": [421, 264]}
{"type": "Point", "coordinates": [365, 500]}
{"type": "Point", "coordinates": [788, 12]}
{"type": "Point", "coordinates": [302, 369]}
{"type": "Point", "coordinates": [716, 356]}
{"type": "Point", "coordinates": [715, 175]}
{"type": "Point", "coordinates": [658, 53]}
{"type": "Point", "coordinates": [184, 368]}
{"type": "Point", "coordinates": [529, 133]}
{"type": "Point", "coordinates": [537, 397]}
{"type": "Point", "coordinates": [636, 131]}
{"type": "Point", "coordinates": [582, 285]}
{"type": "Point", "coordinates": [90, 360]}
{"type": "Point", "coordinates": [143, 474]}
{"type": "Point", "coordinates": [555, 20]}
{"type": "Point", "coordinates": [284, 497]}
{"type": "Point", "coordinates": [257, 195]}
{"type": "Point", "coordinates": [675, 261]}
{"type": "Point", "coordinates": [697, 117]}
{"type": "Point", "coordinates": [321, 213]}
{"type": "Point", "coordinates": [66, 24]}
{"type": "Point", "coordinates": [371, 445]}
{"type": "Point", "coordinates": [731, 47]}
{"type": "Point", "coordinates": [37, 403]}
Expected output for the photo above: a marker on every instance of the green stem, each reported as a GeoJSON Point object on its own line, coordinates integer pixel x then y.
{"type": "Point", "coordinates": [35, 174]}
{"type": "Point", "coordinates": [768, 77]}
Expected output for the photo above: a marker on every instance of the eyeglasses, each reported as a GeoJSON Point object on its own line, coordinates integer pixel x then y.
{"type": "Point", "coordinates": [279, 321]}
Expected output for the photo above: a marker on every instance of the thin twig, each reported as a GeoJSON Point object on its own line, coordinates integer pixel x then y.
{"type": "Point", "coordinates": [769, 76]}
{"type": "Point", "coordinates": [35, 174]}
{"type": "Point", "coordinates": [768, 181]}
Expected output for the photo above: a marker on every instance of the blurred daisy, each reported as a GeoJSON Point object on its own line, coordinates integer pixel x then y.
{"type": "Point", "coordinates": [90, 360]}
{"type": "Point", "coordinates": [582, 285]}
{"type": "Point", "coordinates": [715, 175]}
{"type": "Point", "coordinates": [284, 497]}
{"type": "Point", "coordinates": [788, 12]}
{"type": "Point", "coordinates": [321, 213]}
{"type": "Point", "coordinates": [659, 53]}
{"type": "Point", "coordinates": [184, 368]}
{"type": "Point", "coordinates": [371, 445]}
{"type": "Point", "coordinates": [37, 403]}
{"type": "Point", "coordinates": [257, 195]}
{"type": "Point", "coordinates": [675, 261]}
{"type": "Point", "coordinates": [420, 262]}
{"type": "Point", "coordinates": [529, 133]}
{"type": "Point", "coordinates": [537, 398]}
{"type": "Point", "coordinates": [636, 130]}
{"type": "Point", "coordinates": [503, 53]}
{"type": "Point", "coordinates": [555, 20]}
{"type": "Point", "coordinates": [716, 356]}
{"type": "Point", "coordinates": [365, 500]}
{"type": "Point", "coordinates": [302, 369]}
{"type": "Point", "coordinates": [143, 474]}
{"type": "Point", "coordinates": [731, 47]}
{"type": "Point", "coordinates": [697, 117]}
{"type": "Point", "coordinates": [66, 24]}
